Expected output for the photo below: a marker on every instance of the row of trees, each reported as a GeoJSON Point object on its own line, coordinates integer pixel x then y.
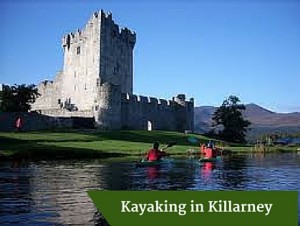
{"type": "Point", "coordinates": [17, 98]}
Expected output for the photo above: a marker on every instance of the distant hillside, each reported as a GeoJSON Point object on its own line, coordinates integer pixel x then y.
{"type": "Point", "coordinates": [203, 118]}
{"type": "Point", "coordinates": [263, 121]}
{"type": "Point", "coordinates": [263, 117]}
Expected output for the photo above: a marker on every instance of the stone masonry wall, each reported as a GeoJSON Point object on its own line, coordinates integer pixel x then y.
{"type": "Point", "coordinates": [50, 94]}
{"type": "Point", "coordinates": [33, 121]}
{"type": "Point", "coordinates": [116, 54]}
{"type": "Point", "coordinates": [107, 111]}
{"type": "Point", "coordinates": [81, 65]}
{"type": "Point", "coordinates": [148, 113]}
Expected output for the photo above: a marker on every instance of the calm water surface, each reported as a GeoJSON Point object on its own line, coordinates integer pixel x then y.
{"type": "Point", "coordinates": [54, 192]}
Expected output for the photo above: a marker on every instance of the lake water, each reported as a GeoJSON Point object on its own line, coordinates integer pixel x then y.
{"type": "Point", "coordinates": [54, 192]}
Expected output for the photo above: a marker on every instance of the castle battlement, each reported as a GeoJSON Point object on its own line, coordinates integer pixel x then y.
{"type": "Point", "coordinates": [93, 23]}
{"type": "Point", "coordinates": [143, 99]}
{"type": "Point", "coordinates": [139, 99]}
{"type": "Point", "coordinates": [47, 83]}
{"type": "Point", "coordinates": [164, 102]}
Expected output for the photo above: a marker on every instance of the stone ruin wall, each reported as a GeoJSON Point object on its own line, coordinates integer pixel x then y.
{"type": "Point", "coordinates": [137, 112]}
{"type": "Point", "coordinates": [33, 121]}
{"type": "Point", "coordinates": [50, 93]}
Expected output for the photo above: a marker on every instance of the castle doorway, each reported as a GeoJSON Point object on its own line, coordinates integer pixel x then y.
{"type": "Point", "coordinates": [149, 126]}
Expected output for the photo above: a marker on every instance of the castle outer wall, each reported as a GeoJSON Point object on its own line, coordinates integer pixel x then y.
{"type": "Point", "coordinates": [148, 113]}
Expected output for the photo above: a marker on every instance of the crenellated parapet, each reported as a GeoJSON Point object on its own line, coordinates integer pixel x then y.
{"type": "Point", "coordinates": [72, 38]}
{"type": "Point", "coordinates": [117, 31]}
{"type": "Point", "coordinates": [155, 102]}
{"type": "Point", "coordinates": [105, 19]}
{"type": "Point", "coordinates": [80, 35]}
{"type": "Point", "coordinates": [45, 84]}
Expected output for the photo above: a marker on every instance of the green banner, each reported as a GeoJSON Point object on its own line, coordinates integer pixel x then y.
{"type": "Point", "coordinates": [213, 208]}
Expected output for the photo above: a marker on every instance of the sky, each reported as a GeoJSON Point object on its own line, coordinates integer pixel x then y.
{"type": "Point", "coordinates": [205, 49]}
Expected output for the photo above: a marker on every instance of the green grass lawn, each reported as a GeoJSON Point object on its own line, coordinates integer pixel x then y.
{"type": "Point", "coordinates": [92, 143]}
{"type": "Point", "coordinates": [75, 143]}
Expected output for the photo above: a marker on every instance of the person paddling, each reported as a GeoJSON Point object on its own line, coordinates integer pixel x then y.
{"type": "Point", "coordinates": [208, 151]}
{"type": "Point", "coordinates": [155, 154]}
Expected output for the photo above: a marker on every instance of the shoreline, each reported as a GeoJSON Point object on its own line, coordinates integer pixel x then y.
{"type": "Point", "coordinates": [80, 144]}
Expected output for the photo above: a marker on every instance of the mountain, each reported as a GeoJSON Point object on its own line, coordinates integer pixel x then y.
{"type": "Point", "coordinates": [203, 118]}
{"type": "Point", "coordinates": [263, 120]}
{"type": "Point", "coordinates": [263, 117]}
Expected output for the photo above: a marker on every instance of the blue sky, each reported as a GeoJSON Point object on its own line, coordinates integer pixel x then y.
{"type": "Point", "coordinates": [205, 49]}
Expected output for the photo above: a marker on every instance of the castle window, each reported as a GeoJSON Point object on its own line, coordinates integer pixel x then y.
{"type": "Point", "coordinates": [114, 33]}
{"type": "Point", "coordinates": [58, 101]}
{"type": "Point", "coordinates": [98, 82]}
{"type": "Point", "coordinates": [78, 50]}
{"type": "Point", "coordinates": [149, 126]}
{"type": "Point", "coordinates": [84, 86]}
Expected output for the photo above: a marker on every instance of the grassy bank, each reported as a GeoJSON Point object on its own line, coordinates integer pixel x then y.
{"type": "Point", "coordinates": [94, 144]}
{"type": "Point", "coordinates": [80, 144]}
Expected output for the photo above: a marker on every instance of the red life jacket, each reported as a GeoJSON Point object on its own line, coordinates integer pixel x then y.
{"type": "Point", "coordinates": [154, 154]}
{"type": "Point", "coordinates": [208, 153]}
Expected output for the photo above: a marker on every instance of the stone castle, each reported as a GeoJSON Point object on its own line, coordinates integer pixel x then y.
{"type": "Point", "coordinates": [97, 81]}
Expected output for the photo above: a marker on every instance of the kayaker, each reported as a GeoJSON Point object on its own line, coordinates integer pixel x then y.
{"type": "Point", "coordinates": [155, 154]}
{"type": "Point", "coordinates": [208, 151]}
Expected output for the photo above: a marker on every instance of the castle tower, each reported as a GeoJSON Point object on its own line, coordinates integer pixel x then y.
{"type": "Point", "coordinates": [107, 109]}
{"type": "Point", "coordinates": [184, 111]}
{"type": "Point", "coordinates": [100, 53]}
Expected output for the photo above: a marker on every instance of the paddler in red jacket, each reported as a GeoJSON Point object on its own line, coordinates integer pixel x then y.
{"type": "Point", "coordinates": [154, 153]}
{"type": "Point", "coordinates": [208, 151]}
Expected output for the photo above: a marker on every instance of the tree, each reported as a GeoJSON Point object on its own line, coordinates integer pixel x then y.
{"type": "Point", "coordinates": [229, 117]}
{"type": "Point", "coordinates": [17, 98]}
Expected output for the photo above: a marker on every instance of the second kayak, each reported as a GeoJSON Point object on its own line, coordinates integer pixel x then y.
{"type": "Point", "coordinates": [210, 159]}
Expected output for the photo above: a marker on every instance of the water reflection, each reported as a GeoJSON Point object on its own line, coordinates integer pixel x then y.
{"type": "Point", "coordinates": [153, 172]}
{"type": "Point", "coordinates": [207, 170]}
{"type": "Point", "coordinates": [47, 192]}
{"type": "Point", "coordinates": [54, 192]}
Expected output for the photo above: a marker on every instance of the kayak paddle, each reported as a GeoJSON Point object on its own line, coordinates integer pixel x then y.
{"type": "Point", "coordinates": [171, 144]}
